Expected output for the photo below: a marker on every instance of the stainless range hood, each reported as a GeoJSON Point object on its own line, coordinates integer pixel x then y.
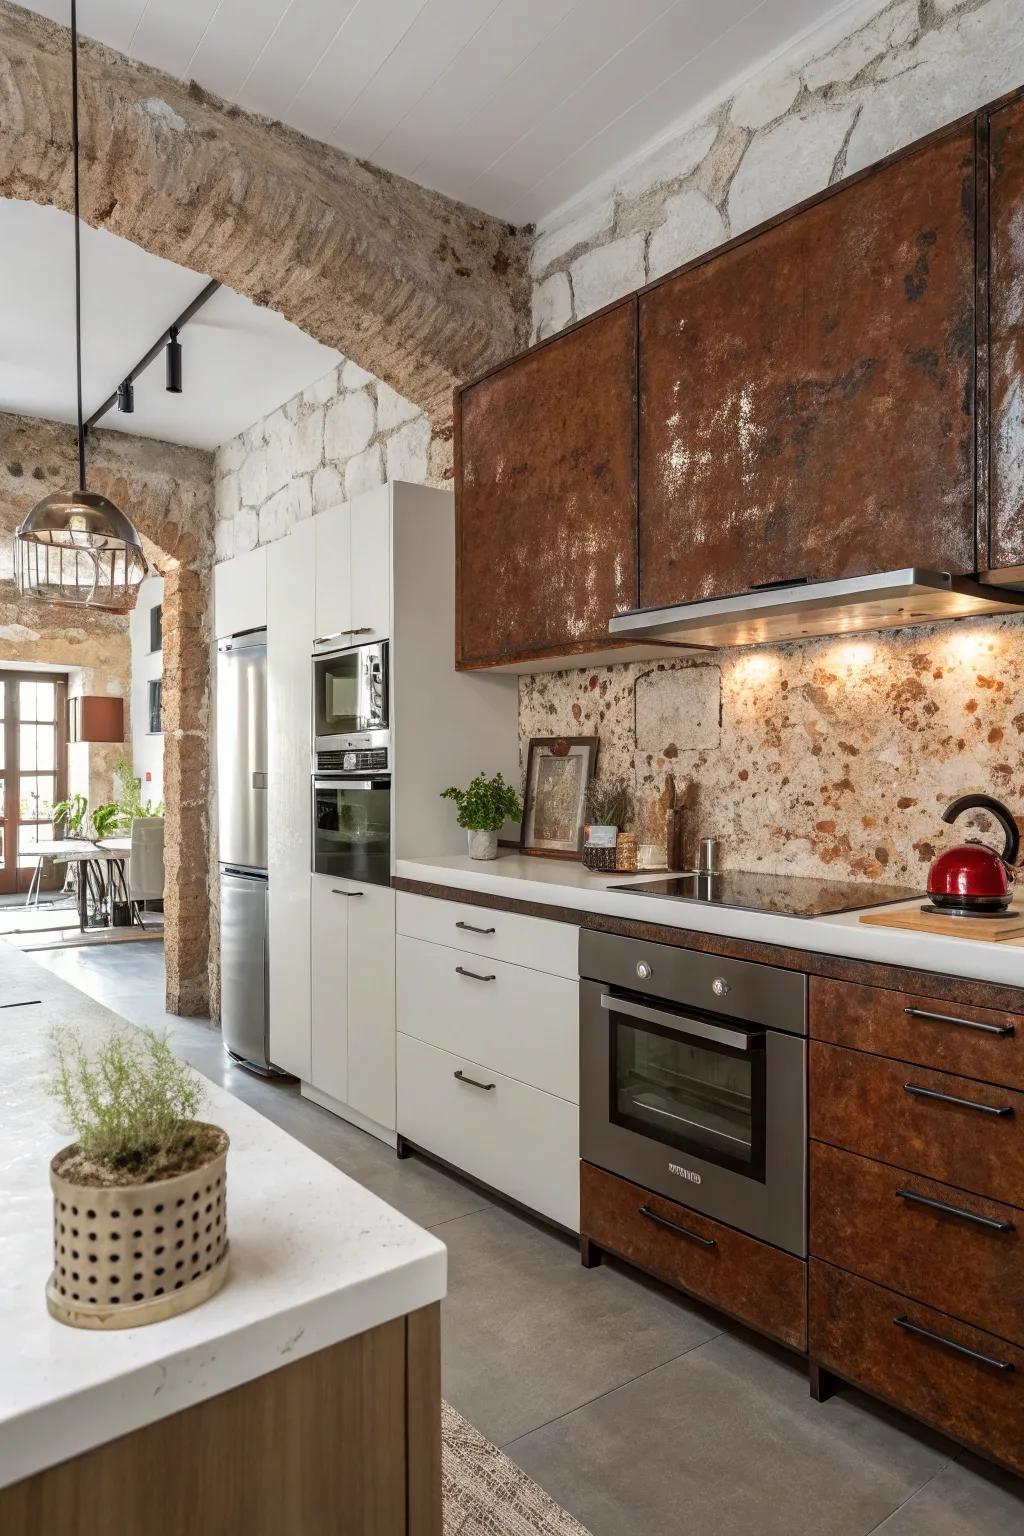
{"type": "Point", "coordinates": [794, 610]}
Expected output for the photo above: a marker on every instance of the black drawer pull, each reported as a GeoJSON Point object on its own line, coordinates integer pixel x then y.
{"type": "Point", "coordinates": [949, 1098]}
{"type": "Point", "coordinates": [468, 928]}
{"type": "Point", "coordinates": [473, 975]}
{"type": "Point", "coordinates": [673, 1226]}
{"type": "Point", "coordinates": [335, 891]}
{"type": "Point", "coordinates": [472, 1081]}
{"type": "Point", "coordinates": [949, 1018]}
{"type": "Point", "coordinates": [989, 1222]}
{"type": "Point", "coordinates": [958, 1349]}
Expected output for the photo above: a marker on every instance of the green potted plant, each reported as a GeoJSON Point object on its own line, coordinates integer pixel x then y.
{"type": "Point", "coordinates": [484, 807]}
{"type": "Point", "coordinates": [139, 1197]}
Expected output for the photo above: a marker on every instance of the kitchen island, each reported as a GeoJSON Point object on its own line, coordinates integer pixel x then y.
{"type": "Point", "coordinates": [305, 1392]}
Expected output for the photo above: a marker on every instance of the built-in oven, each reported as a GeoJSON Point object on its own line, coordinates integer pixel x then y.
{"type": "Point", "coordinates": [693, 1081]}
{"type": "Point", "coordinates": [351, 833]}
{"type": "Point", "coordinates": [350, 698]}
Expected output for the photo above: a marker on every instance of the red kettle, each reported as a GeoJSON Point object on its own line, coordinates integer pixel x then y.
{"type": "Point", "coordinates": [974, 880]}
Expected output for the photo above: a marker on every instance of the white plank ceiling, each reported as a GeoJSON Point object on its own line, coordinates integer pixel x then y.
{"type": "Point", "coordinates": [513, 106]}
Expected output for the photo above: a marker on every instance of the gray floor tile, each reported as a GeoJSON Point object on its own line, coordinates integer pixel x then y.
{"type": "Point", "coordinates": [529, 1334]}
{"type": "Point", "coordinates": [967, 1498]}
{"type": "Point", "coordinates": [727, 1442]}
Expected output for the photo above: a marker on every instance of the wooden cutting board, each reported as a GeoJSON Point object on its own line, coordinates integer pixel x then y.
{"type": "Point", "coordinates": [992, 929]}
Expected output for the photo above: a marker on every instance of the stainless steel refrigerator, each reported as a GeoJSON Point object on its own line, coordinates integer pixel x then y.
{"type": "Point", "coordinates": [242, 845]}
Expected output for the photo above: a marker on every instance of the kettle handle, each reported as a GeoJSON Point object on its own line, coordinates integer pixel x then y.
{"type": "Point", "coordinates": [1003, 815]}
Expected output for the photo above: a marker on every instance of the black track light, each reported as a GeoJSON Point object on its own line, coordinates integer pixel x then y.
{"type": "Point", "coordinates": [126, 397]}
{"type": "Point", "coordinates": [173, 356]}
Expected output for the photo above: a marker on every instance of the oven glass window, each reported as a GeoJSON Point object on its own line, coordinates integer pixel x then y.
{"type": "Point", "coordinates": [705, 1099]}
{"type": "Point", "coordinates": [352, 830]}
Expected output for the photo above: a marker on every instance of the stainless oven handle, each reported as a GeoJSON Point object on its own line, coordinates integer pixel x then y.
{"type": "Point", "coordinates": [739, 1039]}
{"type": "Point", "coordinates": [338, 781]}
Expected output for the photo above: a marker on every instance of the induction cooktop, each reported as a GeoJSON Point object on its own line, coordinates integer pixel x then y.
{"type": "Point", "coordinates": [792, 895]}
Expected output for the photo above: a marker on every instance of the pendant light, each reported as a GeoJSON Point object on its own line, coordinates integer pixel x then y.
{"type": "Point", "coordinates": [77, 548]}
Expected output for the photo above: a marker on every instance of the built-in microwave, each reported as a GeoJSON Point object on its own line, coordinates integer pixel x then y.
{"type": "Point", "coordinates": [350, 700]}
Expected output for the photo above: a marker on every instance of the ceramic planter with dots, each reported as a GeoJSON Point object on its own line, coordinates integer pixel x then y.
{"type": "Point", "coordinates": [136, 1253]}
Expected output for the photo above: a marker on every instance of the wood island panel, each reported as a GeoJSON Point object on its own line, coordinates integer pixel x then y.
{"type": "Point", "coordinates": [344, 1439]}
{"type": "Point", "coordinates": [750, 1280]}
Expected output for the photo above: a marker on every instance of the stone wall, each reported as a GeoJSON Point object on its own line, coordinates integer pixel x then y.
{"type": "Point", "coordinates": [817, 757]}
{"type": "Point", "coordinates": [168, 493]}
{"type": "Point", "coordinates": [345, 434]}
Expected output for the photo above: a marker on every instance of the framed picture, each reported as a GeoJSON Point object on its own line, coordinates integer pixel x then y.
{"type": "Point", "coordinates": [558, 771]}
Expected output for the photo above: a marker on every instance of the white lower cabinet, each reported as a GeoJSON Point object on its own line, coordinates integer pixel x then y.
{"type": "Point", "coordinates": [353, 998]}
{"type": "Point", "coordinates": [520, 1141]}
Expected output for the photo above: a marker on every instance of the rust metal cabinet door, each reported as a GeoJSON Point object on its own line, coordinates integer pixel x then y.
{"type": "Point", "coordinates": [1006, 320]}
{"type": "Point", "coordinates": [807, 396]}
{"type": "Point", "coordinates": [545, 497]}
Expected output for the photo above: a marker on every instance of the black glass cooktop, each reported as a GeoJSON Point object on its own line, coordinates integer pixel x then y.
{"type": "Point", "coordinates": [793, 895]}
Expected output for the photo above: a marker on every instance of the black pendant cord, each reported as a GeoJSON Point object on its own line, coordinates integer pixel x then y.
{"type": "Point", "coordinates": [78, 243]}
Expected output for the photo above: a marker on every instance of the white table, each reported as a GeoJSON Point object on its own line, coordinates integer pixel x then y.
{"type": "Point", "coordinates": [80, 851]}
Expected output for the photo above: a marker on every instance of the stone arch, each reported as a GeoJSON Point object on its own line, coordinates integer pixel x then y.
{"type": "Point", "coordinates": [168, 493]}
{"type": "Point", "coordinates": [420, 290]}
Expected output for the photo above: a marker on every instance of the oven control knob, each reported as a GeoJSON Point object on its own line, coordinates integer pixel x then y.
{"type": "Point", "coordinates": [719, 986]}
{"type": "Point", "coordinates": [643, 970]}
{"type": "Point", "coordinates": [349, 761]}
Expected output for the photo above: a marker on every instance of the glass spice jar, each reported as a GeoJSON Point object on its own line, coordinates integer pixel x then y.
{"type": "Point", "coordinates": [626, 851]}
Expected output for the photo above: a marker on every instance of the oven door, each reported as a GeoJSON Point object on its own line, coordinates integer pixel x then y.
{"type": "Point", "coordinates": [709, 1112]}
{"type": "Point", "coordinates": [352, 829]}
{"type": "Point", "coordinates": [350, 695]}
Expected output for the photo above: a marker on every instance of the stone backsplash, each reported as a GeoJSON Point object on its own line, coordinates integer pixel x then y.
{"type": "Point", "coordinates": [830, 758]}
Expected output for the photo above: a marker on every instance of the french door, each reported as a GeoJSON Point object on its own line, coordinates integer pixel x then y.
{"type": "Point", "coordinates": [33, 771]}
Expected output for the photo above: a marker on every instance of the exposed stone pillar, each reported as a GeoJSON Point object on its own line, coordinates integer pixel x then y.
{"type": "Point", "coordinates": [186, 710]}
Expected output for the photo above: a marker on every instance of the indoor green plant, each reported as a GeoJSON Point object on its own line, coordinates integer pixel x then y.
{"type": "Point", "coordinates": [128, 797]}
{"type": "Point", "coordinates": [140, 1219]}
{"type": "Point", "coordinates": [484, 807]}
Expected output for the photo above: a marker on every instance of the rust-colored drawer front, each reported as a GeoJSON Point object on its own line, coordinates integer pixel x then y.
{"type": "Point", "coordinates": [862, 1103]}
{"type": "Point", "coordinates": [975, 1042]}
{"type": "Point", "coordinates": [1006, 487]}
{"type": "Point", "coordinates": [874, 1220]}
{"type": "Point", "coordinates": [546, 496]}
{"type": "Point", "coordinates": [746, 1278]}
{"type": "Point", "coordinates": [806, 398]}
{"type": "Point", "coordinates": [853, 1332]}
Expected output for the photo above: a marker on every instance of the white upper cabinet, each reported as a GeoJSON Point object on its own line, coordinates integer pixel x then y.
{"type": "Point", "coordinates": [353, 571]}
{"type": "Point", "coordinates": [333, 576]}
{"type": "Point", "coordinates": [240, 593]}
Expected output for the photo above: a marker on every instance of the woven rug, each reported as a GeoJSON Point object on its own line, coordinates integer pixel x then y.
{"type": "Point", "coordinates": [486, 1494]}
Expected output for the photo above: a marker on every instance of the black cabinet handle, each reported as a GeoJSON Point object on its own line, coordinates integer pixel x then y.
{"type": "Point", "coordinates": [989, 1222]}
{"type": "Point", "coordinates": [473, 975]}
{"type": "Point", "coordinates": [951, 1018]}
{"type": "Point", "coordinates": [950, 1098]}
{"type": "Point", "coordinates": [27, 1003]}
{"type": "Point", "coordinates": [468, 928]}
{"type": "Point", "coordinates": [958, 1349]}
{"type": "Point", "coordinates": [336, 892]}
{"type": "Point", "coordinates": [673, 1226]}
{"type": "Point", "coordinates": [472, 1081]}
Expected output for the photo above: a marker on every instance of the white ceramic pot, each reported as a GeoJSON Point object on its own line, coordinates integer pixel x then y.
{"type": "Point", "coordinates": [137, 1253]}
{"type": "Point", "coordinates": [483, 844]}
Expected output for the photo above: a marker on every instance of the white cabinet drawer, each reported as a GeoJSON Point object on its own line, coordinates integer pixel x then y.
{"type": "Point", "coordinates": [523, 1023]}
{"type": "Point", "coordinates": [521, 1142]}
{"type": "Point", "coordinates": [538, 942]}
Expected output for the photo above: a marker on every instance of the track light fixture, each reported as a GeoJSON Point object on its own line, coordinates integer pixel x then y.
{"type": "Point", "coordinates": [173, 355]}
{"type": "Point", "coordinates": [126, 397]}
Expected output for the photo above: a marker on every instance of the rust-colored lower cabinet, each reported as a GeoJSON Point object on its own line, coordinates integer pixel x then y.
{"type": "Point", "coordinates": [749, 1280]}
{"type": "Point", "coordinates": [963, 1381]}
{"type": "Point", "coordinates": [545, 497]}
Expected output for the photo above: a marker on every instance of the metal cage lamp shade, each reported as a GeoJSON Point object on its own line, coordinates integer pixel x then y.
{"type": "Point", "coordinates": [76, 548]}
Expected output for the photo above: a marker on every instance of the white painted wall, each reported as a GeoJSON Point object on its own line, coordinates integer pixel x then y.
{"type": "Point", "coordinates": [147, 750]}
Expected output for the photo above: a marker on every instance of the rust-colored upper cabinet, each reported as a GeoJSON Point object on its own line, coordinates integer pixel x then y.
{"type": "Point", "coordinates": [545, 496]}
{"type": "Point", "coordinates": [1006, 321]}
{"type": "Point", "coordinates": [807, 396]}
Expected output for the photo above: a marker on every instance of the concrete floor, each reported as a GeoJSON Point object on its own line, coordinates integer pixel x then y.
{"type": "Point", "coordinates": [642, 1413]}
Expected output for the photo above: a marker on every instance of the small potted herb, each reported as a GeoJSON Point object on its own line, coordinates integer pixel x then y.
{"type": "Point", "coordinates": [139, 1198]}
{"type": "Point", "coordinates": [484, 808]}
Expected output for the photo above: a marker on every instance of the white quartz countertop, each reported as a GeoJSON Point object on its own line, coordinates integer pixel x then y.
{"type": "Point", "coordinates": [557, 882]}
{"type": "Point", "coordinates": [315, 1259]}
